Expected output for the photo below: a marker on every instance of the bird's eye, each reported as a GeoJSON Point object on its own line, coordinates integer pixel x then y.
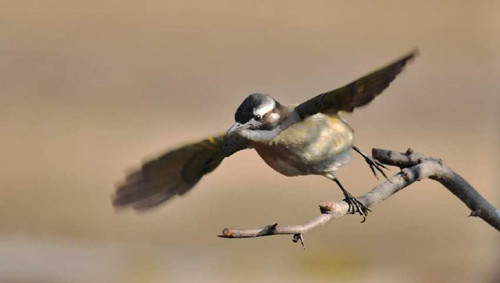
{"type": "Point", "coordinates": [257, 117]}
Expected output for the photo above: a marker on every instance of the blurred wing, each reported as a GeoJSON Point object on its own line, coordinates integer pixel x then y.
{"type": "Point", "coordinates": [355, 94]}
{"type": "Point", "coordinates": [173, 173]}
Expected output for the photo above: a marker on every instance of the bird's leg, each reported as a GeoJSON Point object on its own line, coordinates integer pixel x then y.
{"type": "Point", "coordinates": [354, 204]}
{"type": "Point", "coordinates": [374, 164]}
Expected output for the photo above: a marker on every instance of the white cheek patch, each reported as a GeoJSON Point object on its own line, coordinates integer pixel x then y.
{"type": "Point", "coordinates": [273, 117]}
{"type": "Point", "coordinates": [264, 108]}
{"type": "Point", "coordinates": [267, 136]}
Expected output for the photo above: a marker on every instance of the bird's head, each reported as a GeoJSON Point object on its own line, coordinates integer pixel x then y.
{"type": "Point", "coordinates": [259, 118]}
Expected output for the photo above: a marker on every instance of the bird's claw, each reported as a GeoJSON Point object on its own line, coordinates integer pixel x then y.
{"type": "Point", "coordinates": [355, 206]}
{"type": "Point", "coordinates": [375, 165]}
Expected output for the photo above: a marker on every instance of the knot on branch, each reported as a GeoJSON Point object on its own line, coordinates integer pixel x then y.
{"type": "Point", "coordinates": [269, 229]}
{"type": "Point", "coordinates": [227, 233]}
{"type": "Point", "coordinates": [475, 213]}
{"type": "Point", "coordinates": [299, 237]}
{"type": "Point", "coordinates": [405, 174]}
{"type": "Point", "coordinates": [329, 207]}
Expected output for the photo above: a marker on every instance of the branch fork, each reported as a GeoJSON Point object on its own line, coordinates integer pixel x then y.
{"type": "Point", "coordinates": [414, 167]}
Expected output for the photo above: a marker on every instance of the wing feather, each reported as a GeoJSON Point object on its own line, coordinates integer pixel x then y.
{"type": "Point", "coordinates": [173, 173]}
{"type": "Point", "coordinates": [358, 93]}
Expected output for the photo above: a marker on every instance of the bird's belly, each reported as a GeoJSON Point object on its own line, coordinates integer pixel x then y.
{"type": "Point", "coordinates": [320, 144]}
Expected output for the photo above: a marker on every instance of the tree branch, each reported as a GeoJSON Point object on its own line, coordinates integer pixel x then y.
{"type": "Point", "coordinates": [415, 167]}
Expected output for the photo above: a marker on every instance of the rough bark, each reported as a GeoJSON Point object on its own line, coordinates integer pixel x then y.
{"type": "Point", "coordinates": [414, 167]}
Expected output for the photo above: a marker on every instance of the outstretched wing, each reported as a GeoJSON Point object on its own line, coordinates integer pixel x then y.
{"type": "Point", "coordinates": [356, 94]}
{"type": "Point", "coordinates": [174, 173]}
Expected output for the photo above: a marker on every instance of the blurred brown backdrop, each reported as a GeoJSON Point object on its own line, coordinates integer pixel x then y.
{"type": "Point", "coordinates": [91, 88]}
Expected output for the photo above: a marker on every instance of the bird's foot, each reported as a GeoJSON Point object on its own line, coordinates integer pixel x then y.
{"type": "Point", "coordinates": [375, 165]}
{"type": "Point", "coordinates": [355, 206]}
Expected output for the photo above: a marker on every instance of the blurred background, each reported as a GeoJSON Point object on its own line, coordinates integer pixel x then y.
{"type": "Point", "coordinates": [90, 89]}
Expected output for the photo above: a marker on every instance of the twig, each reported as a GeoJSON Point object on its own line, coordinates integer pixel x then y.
{"type": "Point", "coordinates": [415, 167]}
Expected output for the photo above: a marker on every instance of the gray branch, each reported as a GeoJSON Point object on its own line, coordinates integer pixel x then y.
{"type": "Point", "coordinates": [415, 167]}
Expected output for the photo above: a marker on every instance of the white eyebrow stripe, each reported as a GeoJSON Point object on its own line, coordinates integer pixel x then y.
{"type": "Point", "coordinates": [264, 108]}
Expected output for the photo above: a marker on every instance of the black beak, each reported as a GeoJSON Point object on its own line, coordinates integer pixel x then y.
{"type": "Point", "coordinates": [237, 127]}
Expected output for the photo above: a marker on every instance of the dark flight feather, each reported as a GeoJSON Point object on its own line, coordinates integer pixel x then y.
{"type": "Point", "coordinates": [173, 173]}
{"type": "Point", "coordinates": [358, 93]}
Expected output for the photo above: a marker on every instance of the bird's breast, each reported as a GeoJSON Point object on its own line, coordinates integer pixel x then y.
{"type": "Point", "coordinates": [315, 145]}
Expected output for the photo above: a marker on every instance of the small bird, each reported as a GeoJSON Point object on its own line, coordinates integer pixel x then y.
{"type": "Point", "coordinates": [305, 139]}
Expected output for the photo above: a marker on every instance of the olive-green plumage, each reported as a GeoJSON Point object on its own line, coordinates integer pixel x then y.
{"type": "Point", "coordinates": [318, 144]}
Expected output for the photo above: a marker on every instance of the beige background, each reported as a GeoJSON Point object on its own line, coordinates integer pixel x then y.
{"type": "Point", "coordinates": [91, 88]}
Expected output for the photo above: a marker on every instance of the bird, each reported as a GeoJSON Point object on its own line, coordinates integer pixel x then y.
{"type": "Point", "coordinates": [308, 138]}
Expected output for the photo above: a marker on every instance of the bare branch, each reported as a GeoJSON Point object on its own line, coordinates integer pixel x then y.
{"type": "Point", "coordinates": [415, 167]}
